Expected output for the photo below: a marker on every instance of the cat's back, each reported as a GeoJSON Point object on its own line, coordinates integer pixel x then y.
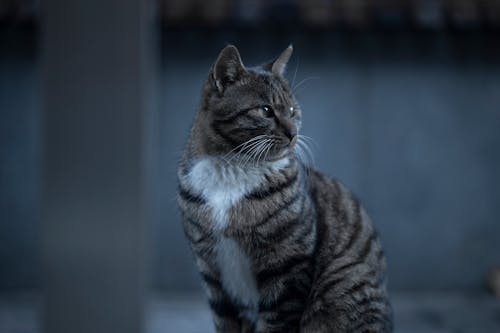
{"type": "Point", "coordinates": [351, 267]}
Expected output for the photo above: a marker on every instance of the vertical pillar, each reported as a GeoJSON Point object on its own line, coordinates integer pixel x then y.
{"type": "Point", "coordinates": [96, 55]}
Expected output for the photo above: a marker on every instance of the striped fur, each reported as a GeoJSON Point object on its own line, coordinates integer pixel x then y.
{"type": "Point", "coordinates": [279, 246]}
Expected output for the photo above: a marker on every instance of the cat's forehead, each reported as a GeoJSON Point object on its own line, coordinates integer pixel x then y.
{"type": "Point", "coordinates": [265, 85]}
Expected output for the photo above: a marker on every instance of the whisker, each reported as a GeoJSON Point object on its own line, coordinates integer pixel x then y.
{"type": "Point", "coordinates": [304, 160]}
{"type": "Point", "coordinates": [257, 156]}
{"type": "Point", "coordinates": [247, 149]}
{"type": "Point", "coordinates": [308, 156]}
{"type": "Point", "coordinates": [309, 139]}
{"type": "Point", "coordinates": [265, 150]}
{"type": "Point", "coordinates": [255, 149]}
{"type": "Point", "coordinates": [295, 73]}
{"type": "Point", "coordinates": [243, 144]}
{"type": "Point", "coordinates": [268, 150]}
{"type": "Point", "coordinates": [294, 89]}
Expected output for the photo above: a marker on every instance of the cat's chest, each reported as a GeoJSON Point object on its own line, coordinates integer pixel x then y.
{"type": "Point", "coordinates": [223, 186]}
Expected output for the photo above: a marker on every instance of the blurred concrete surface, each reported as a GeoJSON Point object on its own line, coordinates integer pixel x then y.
{"type": "Point", "coordinates": [413, 313]}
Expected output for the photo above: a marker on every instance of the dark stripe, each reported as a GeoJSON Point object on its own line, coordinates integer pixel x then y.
{"type": "Point", "coordinates": [368, 319]}
{"type": "Point", "coordinates": [360, 259]}
{"type": "Point", "coordinates": [320, 314]}
{"type": "Point", "coordinates": [198, 225]}
{"type": "Point", "coordinates": [290, 293]}
{"type": "Point", "coordinates": [305, 233]}
{"type": "Point", "coordinates": [198, 240]}
{"type": "Point", "coordinates": [259, 194]}
{"type": "Point", "coordinates": [354, 235]}
{"type": "Point", "coordinates": [200, 228]}
{"type": "Point", "coordinates": [320, 231]}
{"type": "Point", "coordinates": [320, 234]}
{"type": "Point", "coordinates": [357, 287]}
{"type": "Point", "coordinates": [246, 130]}
{"type": "Point", "coordinates": [352, 289]}
{"type": "Point", "coordinates": [283, 231]}
{"type": "Point", "coordinates": [190, 197]}
{"type": "Point", "coordinates": [223, 308]}
{"type": "Point", "coordinates": [280, 269]}
{"type": "Point", "coordinates": [226, 137]}
{"type": "Point", "coordinates": [233, 117]}
{"type": "Point", "coordinates": [287, 228]}
{"type": "Point", "coordinates": [211, 280]}
{"type": "Point", "coordinates": [327, 286]}
{"type": "Point", "coordinates": [372, 300]}
{"type": "Point", "coordinates": [345, 267]}
{"type": "Point", "coordinates": [286, 205]}
{"type": "Point", "coordinates": [285, 321]}
{"type": "Point", "coordinates": [367, 248]}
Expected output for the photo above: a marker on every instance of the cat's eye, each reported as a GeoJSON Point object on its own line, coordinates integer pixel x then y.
{"type": "Point", "coordinates": [293, 112]}
{"type": "Point", "coordinates": [267, 111]}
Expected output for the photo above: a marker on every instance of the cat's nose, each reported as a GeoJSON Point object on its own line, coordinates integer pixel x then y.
{"type": "Point", "coordinates": [291, 134]}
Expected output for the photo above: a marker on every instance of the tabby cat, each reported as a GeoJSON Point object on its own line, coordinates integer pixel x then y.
{"type": "Point", "coordinates": [280, 246]}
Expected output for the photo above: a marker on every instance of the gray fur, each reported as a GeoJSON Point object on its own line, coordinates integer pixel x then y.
{"type": "Point", "coordinates": [280, 246]}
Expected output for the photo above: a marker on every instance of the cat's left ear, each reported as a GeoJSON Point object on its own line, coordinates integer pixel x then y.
{"type": "Point", "coordinates": [278, 66]}
{"type": "Point", "coordinates": [228, 68]}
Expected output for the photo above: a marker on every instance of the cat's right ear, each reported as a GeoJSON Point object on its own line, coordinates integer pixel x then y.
{"type": "Point", "coordinates": [228, 68]}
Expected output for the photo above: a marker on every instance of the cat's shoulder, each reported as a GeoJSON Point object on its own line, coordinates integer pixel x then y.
{"type": "Point", "coordinates": [327, 188]}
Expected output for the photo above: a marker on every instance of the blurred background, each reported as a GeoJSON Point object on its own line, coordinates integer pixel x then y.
{"type": "Point", "coordinates": [401, 96]}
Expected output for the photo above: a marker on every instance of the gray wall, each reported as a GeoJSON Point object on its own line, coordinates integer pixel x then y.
{"type": "Point", "coordinates": [409, 121]}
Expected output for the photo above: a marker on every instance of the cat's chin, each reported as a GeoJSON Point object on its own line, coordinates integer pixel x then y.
{"type": "Point", "coordinates": [284, 153]}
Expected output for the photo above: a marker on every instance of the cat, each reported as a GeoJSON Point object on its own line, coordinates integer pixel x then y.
{"type": "Point", "coordinates": [280, 247]}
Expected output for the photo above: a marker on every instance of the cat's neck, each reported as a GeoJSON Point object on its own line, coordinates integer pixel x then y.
{"type": "Point", "coordinates": [239, 165]}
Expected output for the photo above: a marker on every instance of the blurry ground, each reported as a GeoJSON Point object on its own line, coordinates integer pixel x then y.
{"type": "Point", "coordinates": [414, 313]}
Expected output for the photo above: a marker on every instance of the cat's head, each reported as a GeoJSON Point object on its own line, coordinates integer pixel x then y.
{"type": "Point", "coordinates": [249, 113]}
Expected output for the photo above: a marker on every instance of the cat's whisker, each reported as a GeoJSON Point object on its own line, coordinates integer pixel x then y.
{"type": "Point", "coordinates": [243, 145]}
{"type": "Point", "coordinates": [248, 148]}
{"type": "Point", "coordinates": [262, 150]}
{"type": "Point", "coordinates": [309, 140]}
{"type": "Point", "coordinates": [308, 156]}
{"type": "Point", "coordinates": [311, 155]}
{"type": "Point", "coordinates": [266, 150]}
{"type": "Point", "coordinates": [295, 73]}
{"type": "Point", "coordinates": [301, 154]}
{"type": "Point", "coordinates": [294, 89]}
{"type": "Point", "coordinates": [254, 151]}
{"type": "Point", "coordinates": [307, 146]}
{"type": "Point", "coordinates": [245, 150]}
{"type": "Point", "coordinates": [258, 156]}
{"type": "Point", "coordinates": [304, 160]}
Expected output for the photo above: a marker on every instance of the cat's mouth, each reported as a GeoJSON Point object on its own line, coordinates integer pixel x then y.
{"type": "Point", "coordinates": [284, 148]}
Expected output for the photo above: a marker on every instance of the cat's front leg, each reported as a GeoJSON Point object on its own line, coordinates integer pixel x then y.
{"type": "Point", "coordinates": [280, 307]}
{"type": "Point", "coordinates": [224, 312]}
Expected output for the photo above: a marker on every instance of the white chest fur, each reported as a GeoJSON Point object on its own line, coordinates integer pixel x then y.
{"type": "Point", "coordinates": [222, 186]}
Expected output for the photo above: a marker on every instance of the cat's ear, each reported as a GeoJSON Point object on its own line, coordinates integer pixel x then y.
{"type": "Point", "coordinates": [278, 65]}
{"type": "Point", "coordinates": [228, 68]}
